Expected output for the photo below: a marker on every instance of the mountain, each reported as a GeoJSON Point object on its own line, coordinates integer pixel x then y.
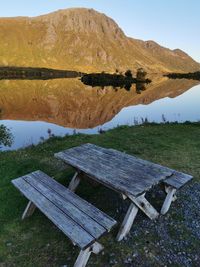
{"type": "Point", "coordinates": [84, 40]}
{"type": "Point", "coordinates": [72, 104]}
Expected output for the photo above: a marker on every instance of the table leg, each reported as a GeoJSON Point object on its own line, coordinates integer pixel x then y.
{"type": "Point", "coordinates": [30, 208]}
{"type": "Point", "coordinates": [127, 222]}
{"type": "Point", "coordinates": [74, 182]}
{"type": "Point", "coordinates": [139, 202]}
{"type": "Point", "coordinates": [168, 200]}
{"type": "Point", "coordinates": [167, 189]}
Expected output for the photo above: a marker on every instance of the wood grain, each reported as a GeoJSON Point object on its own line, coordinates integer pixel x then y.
{"type": "Point", "coordinates": [81, 222]}
{"type": "Point", "coordinates": [119, 171]}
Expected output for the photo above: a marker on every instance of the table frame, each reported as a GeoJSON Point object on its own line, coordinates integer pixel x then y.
{"type": "Point", "coordinates": [137, 203]}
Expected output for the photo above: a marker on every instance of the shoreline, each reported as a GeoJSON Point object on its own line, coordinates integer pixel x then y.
{"type": "Point", "coordinates": [9, 136]}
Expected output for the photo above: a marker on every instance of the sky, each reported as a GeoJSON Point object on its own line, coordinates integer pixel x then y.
{"type": "Point", "coordinates": [171, 23]}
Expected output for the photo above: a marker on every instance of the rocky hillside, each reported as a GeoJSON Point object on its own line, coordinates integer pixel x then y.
{"type": "Point", "coordinates": [85, 40]}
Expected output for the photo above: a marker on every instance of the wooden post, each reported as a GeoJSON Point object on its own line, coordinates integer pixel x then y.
{"type": "Point", "coordinates": [84, 255]}
{"type": "Point", "coordinates": [127, 222]}
{"type": "Point", "coordinates": [74, 182]}
{"type": "Point", "coordinates": [167, 189]}
{"type": "Point", "coordinates": [168, 200]}
{"type": "Point", "coordinates": [28, 210]}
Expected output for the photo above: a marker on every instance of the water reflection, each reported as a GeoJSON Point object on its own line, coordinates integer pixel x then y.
{"type": "Point", "coordinates": [140, 87]}
{"type": "Point", "coordinates": [30, 108]}
{"type": "Point", "coordinates": [64, 102]}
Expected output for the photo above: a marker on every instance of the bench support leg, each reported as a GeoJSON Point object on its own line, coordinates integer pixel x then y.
{"type": "Point", "coordinates": [84, 255]}
{"type": "Point", "coordinates": [142, 203]}
{"type": "Point", "coordinates": [168, 200]}
{"type": "Point", "coordinates": [83, 258]}
{"type": "Point", "coordinates": [28, 210]}
{"type": "Point", "coordinates": [74, 182]}
{"type": "Point", "coordinates": [127, 222]}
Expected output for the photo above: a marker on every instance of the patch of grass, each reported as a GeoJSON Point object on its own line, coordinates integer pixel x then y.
{"type": "Point", "coordinates": [37, 242]}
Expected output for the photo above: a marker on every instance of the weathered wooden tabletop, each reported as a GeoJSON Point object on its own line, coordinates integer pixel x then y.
{"type": "Point", "coordinates": [124, 173]}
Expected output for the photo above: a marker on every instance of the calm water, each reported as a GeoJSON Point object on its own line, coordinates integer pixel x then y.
{"type": "Point", "coordinates": [33, 110]}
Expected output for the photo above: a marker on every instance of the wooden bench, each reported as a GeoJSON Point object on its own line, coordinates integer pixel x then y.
{"type": "Point", "coordinates": [80, 221]}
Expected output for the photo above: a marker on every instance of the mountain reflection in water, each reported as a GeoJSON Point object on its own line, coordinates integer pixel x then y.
{"type": "Point", "coordinates": [70, 103]}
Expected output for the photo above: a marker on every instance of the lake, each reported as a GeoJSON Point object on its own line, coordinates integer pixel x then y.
{"type": "Point", "coordinates": [34, 110]}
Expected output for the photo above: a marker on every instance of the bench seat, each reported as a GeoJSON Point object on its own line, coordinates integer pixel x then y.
{"type": "Point", "coordinates": [80, 221]}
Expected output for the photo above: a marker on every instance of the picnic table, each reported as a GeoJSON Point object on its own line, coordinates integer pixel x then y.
{"type": "Point", "coordinates": [130, 176]}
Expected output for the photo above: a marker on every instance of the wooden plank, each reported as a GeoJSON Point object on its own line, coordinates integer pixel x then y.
{"type": "Point", "coordinates": [127, 163]}
{"type": "Point", "coordinates": [78, 216]}
{"type": "Point", "coordinates": [178, 179]}
{"type": "Point", "coordinates": [142, 178]}
{"type": "Point", "coordinates": [131, 161]}
{"type": "Point", "coordinates": [127, 222]}
{"type": "Point", "coordinates": [71, 229]}
{"type": "Point", "coordinates": [102, 218]}
{"type": "Point", "coordinates": [130, 170]}
{"type": "Point", "coordinates": [114, 178]}
{"type": "Point", "coordinates": [102, 174]}
{"type": "Point", "coordinates": [110, 170]}
{"type": "Point", "coordinates": [143, 174]}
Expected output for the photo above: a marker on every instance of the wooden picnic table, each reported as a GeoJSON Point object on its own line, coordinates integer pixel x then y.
{"type": "Point", "coordinates": [130, 176]}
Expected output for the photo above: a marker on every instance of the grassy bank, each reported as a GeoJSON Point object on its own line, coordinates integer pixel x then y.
{"type": "Point", "coordinates": [172, 240]}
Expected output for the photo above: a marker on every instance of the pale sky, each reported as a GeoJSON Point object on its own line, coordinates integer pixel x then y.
{"type": "Point", "coordinates": [171, 23]}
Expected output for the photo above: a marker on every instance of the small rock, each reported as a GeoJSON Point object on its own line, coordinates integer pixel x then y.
{"type": "Point", "coordinates": [135, 254]}
{"type": "Point", "coordinates": [128, 260]}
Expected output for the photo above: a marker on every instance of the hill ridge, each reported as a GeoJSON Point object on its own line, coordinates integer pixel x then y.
{"type": "Point", "coordinates": [84, 40]}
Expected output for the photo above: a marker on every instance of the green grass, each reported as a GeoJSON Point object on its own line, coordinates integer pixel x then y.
{"type": "Point", "coordinates": [37, 242]}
